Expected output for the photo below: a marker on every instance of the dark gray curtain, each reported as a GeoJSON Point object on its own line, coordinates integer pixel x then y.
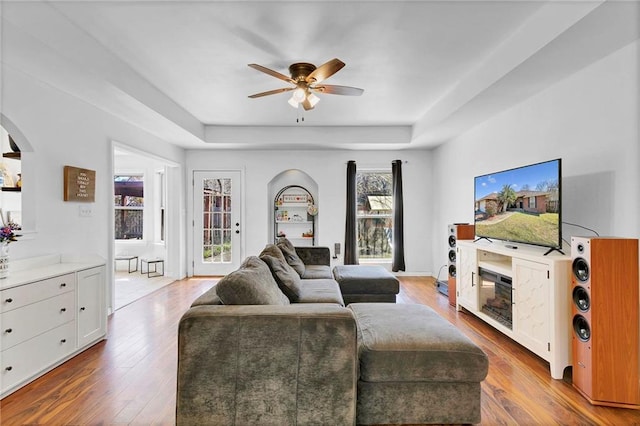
{"type": "Point", "coordinates": [398, 221]}
{"type": "Point", "coordinates": [350, 245]}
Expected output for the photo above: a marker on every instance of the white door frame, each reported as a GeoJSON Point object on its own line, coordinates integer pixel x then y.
{"type": "Point", "coordinates": [196, 223]}
{"type": "Point", "coordinates": [174, 220]}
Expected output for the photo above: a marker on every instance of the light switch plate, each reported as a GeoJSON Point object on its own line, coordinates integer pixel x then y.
{"type": "Point", "coordinates": [85, 210]}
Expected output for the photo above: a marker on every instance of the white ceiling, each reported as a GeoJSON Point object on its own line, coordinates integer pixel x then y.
{"type": "Point", "coordinates": [429, 69]}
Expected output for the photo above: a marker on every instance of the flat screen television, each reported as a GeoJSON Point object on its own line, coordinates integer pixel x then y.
{"type": "Point", "coordinates": [521, 205]}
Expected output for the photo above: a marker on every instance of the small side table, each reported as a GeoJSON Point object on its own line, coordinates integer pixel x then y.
{"type": "Point", "coordinates": [128, 258]}
{"type": "Point", "coordinates": [155, 262]}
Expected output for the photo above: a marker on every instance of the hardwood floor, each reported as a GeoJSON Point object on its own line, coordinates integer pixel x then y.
{"type": "Point", "coordinates": [130, 378]}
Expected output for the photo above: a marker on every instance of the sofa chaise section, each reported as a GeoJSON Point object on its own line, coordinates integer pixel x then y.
{"type": "Point", "coordinates": [415, 367]}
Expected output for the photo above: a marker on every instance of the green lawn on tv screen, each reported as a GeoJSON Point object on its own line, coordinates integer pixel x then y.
{"type": "Point", "coordinates": [542, 229]}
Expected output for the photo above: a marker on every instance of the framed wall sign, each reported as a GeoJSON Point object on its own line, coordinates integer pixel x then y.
{"type": "Point", "coordinates": [79, 184]}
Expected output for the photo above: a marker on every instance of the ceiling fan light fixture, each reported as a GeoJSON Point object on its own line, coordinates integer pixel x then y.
{"type": "Point", "coordinates": [293, 102]}
{"type": "Point", "coordinates": [298, 95]}
{"type": "Point", "coordinates": [313, 99]}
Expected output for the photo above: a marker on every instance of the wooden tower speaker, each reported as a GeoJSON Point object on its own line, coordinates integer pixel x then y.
{"type": "Point", "coordinates": [606, 330]}
{"type": "Point", "coordinates": [455, 232]}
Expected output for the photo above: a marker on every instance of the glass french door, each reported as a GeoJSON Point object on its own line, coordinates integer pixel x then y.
{"type": "Point", "coordinates": [216, 225]}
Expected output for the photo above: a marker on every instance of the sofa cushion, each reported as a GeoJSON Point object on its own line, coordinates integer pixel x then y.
{"type": "Point", "coordinates": [251, 284]}
{"type": "Point", "coordinates": [287, 278]}
{"type": "Point", "coordinates": [320, 291]}
{"type": "Point", "coordinates": [412, 343]}
{"type": "Point", "coordinates": [289, 252]}
{"type": "Point", "coordinates": [316, 271]}
{"type": "Point", "coordinates": [209, 297]}
{"type": "Point", "coordinates": [365, 279]}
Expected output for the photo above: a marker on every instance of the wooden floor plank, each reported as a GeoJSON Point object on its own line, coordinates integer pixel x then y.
{"type": "Point", "coordinates": [130, 378]}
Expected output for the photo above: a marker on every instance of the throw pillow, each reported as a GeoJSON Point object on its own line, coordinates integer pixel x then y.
{"type": "Point", "coordinates": [287, 278]}
{"type": "Point", "coordinates": [251, 284]}
{"type": "Point", "coordinates": [289, 252]}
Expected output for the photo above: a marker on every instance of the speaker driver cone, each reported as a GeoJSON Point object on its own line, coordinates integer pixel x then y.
{"type": "Point", "coordinates": [452, 270]}
{"type": "Point", "coordinates": [452, 255]}
{"type": "Point", "coordinates": [581, 328]}
{"type": "Point", "coordinates": [581, 269]}
{"type": "Point", "coordinates": [581, 298]}
{"type": "Point", "coordinates": [452, 241]}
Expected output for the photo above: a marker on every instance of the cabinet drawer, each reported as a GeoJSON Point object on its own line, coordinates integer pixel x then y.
{"type": "Point", "coordinates": [19, 325]}
{"type": "Point", "coordinates": [24, 361]}
{"type": "Point", "coordinates": [17, 297]}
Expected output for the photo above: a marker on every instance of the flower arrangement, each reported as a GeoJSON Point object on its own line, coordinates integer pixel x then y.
{"type": "Point", "coordinates": [7, 233]}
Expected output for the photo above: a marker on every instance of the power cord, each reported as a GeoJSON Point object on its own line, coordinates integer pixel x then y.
{"type": "Point", "coordinates": [438, 276]}
{"type": "Point", "coordinates": [580, 226]}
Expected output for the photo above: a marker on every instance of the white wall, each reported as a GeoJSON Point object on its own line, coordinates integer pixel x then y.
{"type": "Point", "coordinates": [328, 170]}
{"type": "Point", "coordinates": [63, 130]}
{"type": "Point", "coordinates": [590, 120]}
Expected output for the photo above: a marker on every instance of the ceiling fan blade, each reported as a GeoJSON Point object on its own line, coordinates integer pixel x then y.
{"type": "Point", "coordinates": [338, 90]}
{"type": "Point", "coordinates": [272, 73]}
{"type": "Point", "coordinates": [271, 92]}
{"type": "Point", "coordinates": [306, 105]}
{"type": "Point", "coordinates": [325, 71]}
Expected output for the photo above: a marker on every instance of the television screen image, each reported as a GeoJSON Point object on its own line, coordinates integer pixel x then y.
{"type": "Point", "coordinates": [521, 205]}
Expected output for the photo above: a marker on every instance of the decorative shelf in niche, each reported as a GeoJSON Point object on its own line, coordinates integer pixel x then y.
{"type": "Point", "coordinates": [294, 215]}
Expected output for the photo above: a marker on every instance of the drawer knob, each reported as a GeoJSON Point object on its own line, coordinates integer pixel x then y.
{"type": "Point", "coordinates": [63, 341]}
{"type": "Point", "coordinates": [9, 300]}
{"type": "Point", "coordinates": [83, 308]}
{"type": "Point", "coordinates": [8, 330]}
{"type": "Point", "coordinates": [63, 285]}
{"type": "Point", "coordinates": [63, 310]}
{"type": "Point", "coordinates": [9, 368]}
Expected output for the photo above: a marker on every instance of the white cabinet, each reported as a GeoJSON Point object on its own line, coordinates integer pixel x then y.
{"type": "Point", "coordinates": [91, 305]}
{"type": "Point", "coordinates": [522, 293]}
{"type": "Point", "coordinates": [467, 267]}
{"type": "Point", "coordinates": [44, 322]}
{"type": "Point", "coordinates": [531, 304]}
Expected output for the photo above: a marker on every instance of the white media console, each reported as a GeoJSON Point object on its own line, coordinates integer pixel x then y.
{"type": "Point", "coordinates": [520, 292]}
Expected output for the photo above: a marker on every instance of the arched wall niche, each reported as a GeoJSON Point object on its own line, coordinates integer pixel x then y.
{"type": "Point", "coordinates": [28, 194]}
{"type": "Point", "coordinates": [16, 134]}
{"type": "Point", "coordinates": [286, 178]}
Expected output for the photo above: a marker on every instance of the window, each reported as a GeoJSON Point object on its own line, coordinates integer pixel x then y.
{"type": "Point", "coordinates": [161, 194]}
{"type": "Point", "coordinates": [374, 192]}
{"type": "Point", "coordinates": [129, 205]}
{"type": "Point", "coordinates": [217, 221]}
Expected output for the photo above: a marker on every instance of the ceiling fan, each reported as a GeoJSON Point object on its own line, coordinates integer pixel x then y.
{"type": "Point", "coordinates": [306, 79]}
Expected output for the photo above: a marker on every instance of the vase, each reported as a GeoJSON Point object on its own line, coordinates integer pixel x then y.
{"type": "Point", "coordinates": [4, 260]}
